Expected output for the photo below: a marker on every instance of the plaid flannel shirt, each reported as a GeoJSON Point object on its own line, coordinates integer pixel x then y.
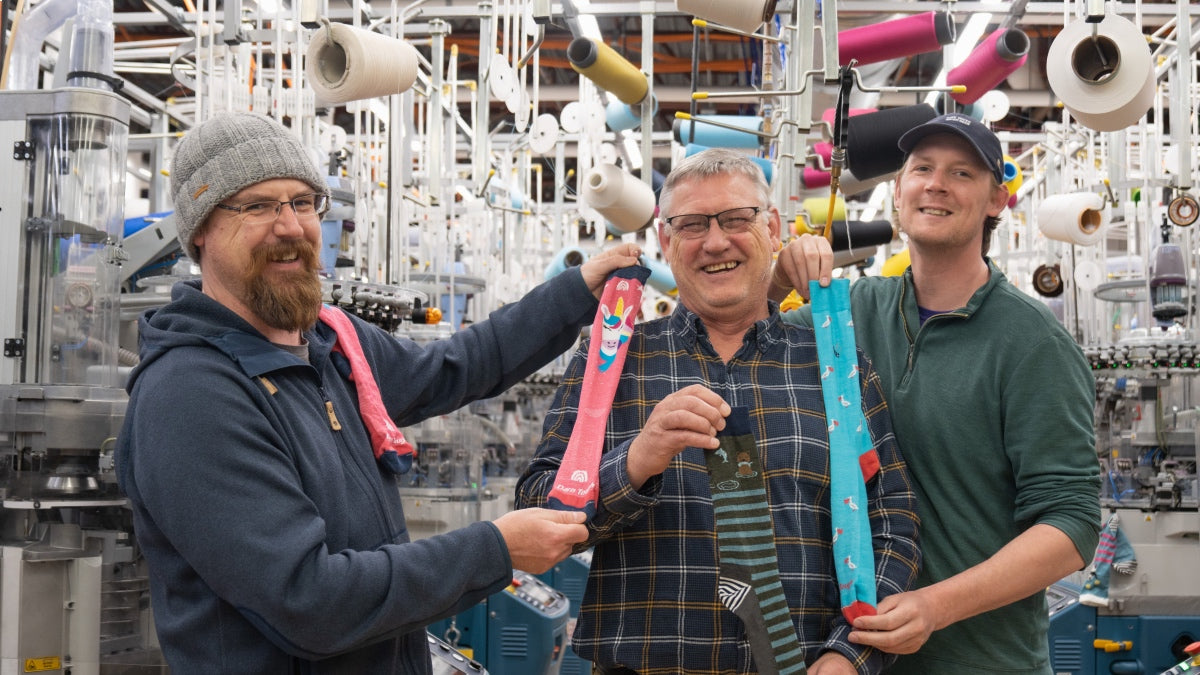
{"type": "Point", "coordinates": [651, 600]}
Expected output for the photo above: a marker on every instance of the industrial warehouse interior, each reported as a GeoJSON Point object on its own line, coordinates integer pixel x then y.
{"type": "Point", "coordinates": [474, 150]}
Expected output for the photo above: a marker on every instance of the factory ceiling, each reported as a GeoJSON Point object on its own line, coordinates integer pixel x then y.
{"type": "Point", "coordinates": [723, 61]}
{"type": "Point", "coordinates": [152, 34]}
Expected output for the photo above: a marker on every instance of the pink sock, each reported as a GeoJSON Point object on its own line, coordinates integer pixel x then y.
{"type": "Point", "coordinates": [576, 486]}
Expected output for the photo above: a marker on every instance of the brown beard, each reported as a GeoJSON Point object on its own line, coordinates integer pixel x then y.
{"type": "Point", "coordinates": [289, 301]}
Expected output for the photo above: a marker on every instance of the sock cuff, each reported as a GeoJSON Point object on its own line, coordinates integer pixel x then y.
{"type": "Point", "coordinates": [737, 423]}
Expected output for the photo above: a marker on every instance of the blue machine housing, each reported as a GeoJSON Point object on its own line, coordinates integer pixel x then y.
{"type": "Point", "coordinates": [1083, 641]}
{"type": "Point", "coordinates": [570, 577]}
{"type": "Point", "coordinates": [521, 630]}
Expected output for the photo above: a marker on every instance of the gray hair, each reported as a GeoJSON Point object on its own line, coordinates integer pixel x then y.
{"type": "Point", "coordinates": [709, 163]}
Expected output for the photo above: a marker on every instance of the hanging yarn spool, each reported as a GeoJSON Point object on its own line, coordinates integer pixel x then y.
{"type": "Point", "coordinates": [1077, 218]}
{"type": "Point", "coordinates": [700, 132]}
{"type": "Point", "coordinates": [818, 209]}
{"type": "Point", "coordinates": [851, 185]}
{"type": "Point", "coordinates": [609, 70]}
{"type": "Point", "coordinates": [830, 114]}
{"type": "Point", "coordinates": [824, 150]}
{"type": "Point", "coordinates": [663, 307]}
{"type": "Point", "coordinates": [854, 256]}
{"type": "Point", "coordinates": [625, 201]}
{"type": "Point", "coordinates": [897, 38]}
{"type": "Point", "coordinates": [1103, 72]}
{"type": "Point", "coordinates": [896, 264]}
{"type": "Point", "coordinates": [861, 233]}
{"type": "Point", "coordinates": [661, 278]}
{"type": "Point", "coordinates": [1048, 281]}
{"type": "Point", "coordinates": [1013, 179]}
{"type": "Point", "coordinates": [571, 256]}
{"type": "Point", "coordinates": [350, 64]}
{"type": "Point", "coordinates": [853, 235]}
{"type": "Point", "coordinates": [871, 149]}
{"type": "Point", "coordinates": [1183, 210]}
{"type": "Point", "coordinates": [997, 57]}
{"type": "Point", "coordinates": [813, 178]}
{"type": "Point", "coordinates": [622, 116]}
{"type": "Point", "coordinates": [743, 15]}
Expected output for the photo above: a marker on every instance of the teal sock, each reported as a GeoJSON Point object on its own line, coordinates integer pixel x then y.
{"type": "Point", "coordinates": [749, 584]}
{"type": "Point", "coordinates": [852, 457]}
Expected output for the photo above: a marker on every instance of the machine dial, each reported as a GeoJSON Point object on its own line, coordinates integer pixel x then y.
{"type": "Point", "coordinates": [79, 295]}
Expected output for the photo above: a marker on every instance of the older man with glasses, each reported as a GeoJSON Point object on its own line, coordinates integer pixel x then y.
{"type": "Point", "coordinates": [713, 532]}
{"type": "Point", "coordinates": [258, 455]}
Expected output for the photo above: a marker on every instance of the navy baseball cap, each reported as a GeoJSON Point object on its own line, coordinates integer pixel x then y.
{"type": "Point", "coordinates": [979, 136]}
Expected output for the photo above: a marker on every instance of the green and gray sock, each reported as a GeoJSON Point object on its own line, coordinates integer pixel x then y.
{"type": "Point", "coordinates": [749, 584]}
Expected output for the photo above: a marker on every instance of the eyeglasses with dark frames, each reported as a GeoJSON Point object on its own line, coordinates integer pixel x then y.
{"type": "Point", "coordinates": [307, 207]}
{"type": "Point", "coordinates": [731, 221]}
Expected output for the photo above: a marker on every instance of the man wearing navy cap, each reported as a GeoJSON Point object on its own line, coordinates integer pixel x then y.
{"type": "Point", "coordinates": [992, 405]}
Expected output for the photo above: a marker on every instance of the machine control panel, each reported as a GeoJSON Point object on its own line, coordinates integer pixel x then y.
{"type": "Point", "coordinates": [537, 593]}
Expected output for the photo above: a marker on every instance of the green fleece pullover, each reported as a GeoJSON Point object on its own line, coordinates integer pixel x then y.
{"type": "Point", "coordinates": [992, 405]}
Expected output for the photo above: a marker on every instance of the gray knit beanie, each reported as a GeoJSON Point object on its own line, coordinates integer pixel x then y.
{"type": "Point", "coordinates": [226, 154]}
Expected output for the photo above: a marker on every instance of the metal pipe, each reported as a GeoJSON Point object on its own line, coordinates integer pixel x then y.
{"type": "Point", "coordinates": [537, 42]}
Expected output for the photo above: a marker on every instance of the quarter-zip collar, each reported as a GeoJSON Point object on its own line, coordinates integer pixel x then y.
{"type": "Point", "coordinates": [910, 315]}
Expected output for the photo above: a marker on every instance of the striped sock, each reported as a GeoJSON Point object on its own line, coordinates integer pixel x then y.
{"type": "Point", "coordinates": [749, 584]}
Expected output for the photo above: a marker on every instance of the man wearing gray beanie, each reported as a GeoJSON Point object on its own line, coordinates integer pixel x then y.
{"type": "Point", "coordinates": [232, 151]}
{"type": "Point", "coordinates": [271, 524]}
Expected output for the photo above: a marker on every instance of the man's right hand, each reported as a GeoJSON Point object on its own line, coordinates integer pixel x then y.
{"type": "Point", "coordinates": [804, 259]}
{"type": "Point", "coordinates": [596, 269]}
{"type": "Point", "coordinates": [691, 417]}
{"type": "Point", "coordinates": [539, 538]}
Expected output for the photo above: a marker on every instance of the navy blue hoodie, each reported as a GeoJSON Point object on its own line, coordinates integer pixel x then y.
{"type": "Point", "coordinates": [275, 542]}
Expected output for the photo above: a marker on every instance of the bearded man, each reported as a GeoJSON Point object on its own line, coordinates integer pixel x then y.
{"type": "Point", "coordinates": [263, 502]}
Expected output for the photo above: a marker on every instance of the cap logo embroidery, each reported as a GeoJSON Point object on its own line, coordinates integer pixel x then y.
{"type": "Point", "coordinates": [959, 118]}
{"type": "Point", "coordinates": [197, 193]}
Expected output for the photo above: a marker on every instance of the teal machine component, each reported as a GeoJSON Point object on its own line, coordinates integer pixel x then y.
{"type": "Point", "coordinates": [522, 630]}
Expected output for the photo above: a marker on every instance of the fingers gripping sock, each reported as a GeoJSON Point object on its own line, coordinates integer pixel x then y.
{"type": "Point", "coordinates": [749, 584]}
{"type": "Point", "coordinates": [576, 486]}
{"type": "Point", "coordinates": [852, 458]}
{"type": "Point", "coordinates": [392, 451]}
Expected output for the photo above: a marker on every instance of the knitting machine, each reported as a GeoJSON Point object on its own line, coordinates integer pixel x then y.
{"type": "Point", "coordinates": [468, 461]}
{"type": "Point", "coordinates": [570, 577]}
{"type": "Point", "coordinates": [522, 630]}
{"type": "Point", "coordinates": [69, 584]}
{"type": "Point", "coordinates": [1137, 608]}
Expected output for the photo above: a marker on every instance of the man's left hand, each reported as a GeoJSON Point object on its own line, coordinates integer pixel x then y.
{"type": "Point", "coordinates": [902, 625]}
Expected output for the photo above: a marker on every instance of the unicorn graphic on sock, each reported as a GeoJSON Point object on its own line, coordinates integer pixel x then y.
{"type": "Point", "coordinates": [615, 332]}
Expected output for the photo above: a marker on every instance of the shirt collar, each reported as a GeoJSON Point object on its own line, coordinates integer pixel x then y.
{"type": "Point", "coordinates": [688, 326]}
